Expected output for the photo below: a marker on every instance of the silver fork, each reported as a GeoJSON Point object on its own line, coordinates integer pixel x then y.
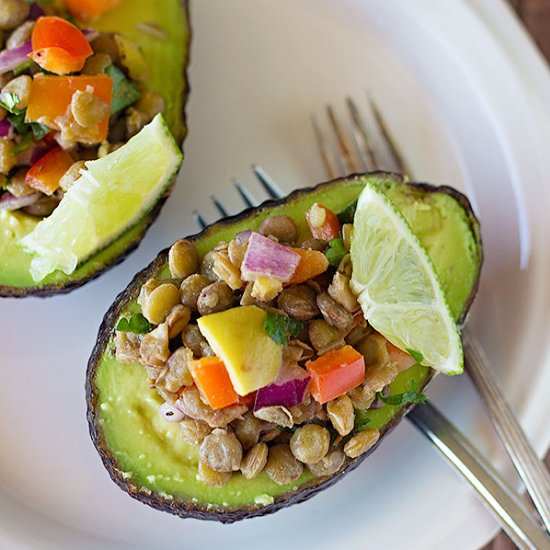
{"type": "Point", "coordinates": [505, 503]}
{"type": "Point", "coordinates": [357, 154]}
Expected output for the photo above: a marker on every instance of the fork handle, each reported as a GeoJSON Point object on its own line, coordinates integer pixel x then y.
{"type": "Point", "coordinates": [531, 469]}
{"type": "Point", "coordinates": [503, 501]}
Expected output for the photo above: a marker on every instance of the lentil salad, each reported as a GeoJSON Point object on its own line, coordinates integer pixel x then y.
{"type": "Point", "coordinates": [329, 363]}
{"type": "Point", "coordinates": [67, 95]}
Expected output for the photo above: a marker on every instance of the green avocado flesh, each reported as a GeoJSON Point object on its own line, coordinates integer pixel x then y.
{"type": "Point", "coordinates": [148, 452]}
{"type": "Point", "coordinates": [166, 61]}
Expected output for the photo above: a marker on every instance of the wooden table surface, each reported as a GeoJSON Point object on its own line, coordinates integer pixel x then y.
{"type": "Point", "coordinates": [535, 14]}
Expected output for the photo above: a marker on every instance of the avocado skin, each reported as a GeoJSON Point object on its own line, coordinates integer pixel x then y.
{"type": "Point", "coordinates": [188, 509]}
{"type": "Point", "coordinates": [52, 289]}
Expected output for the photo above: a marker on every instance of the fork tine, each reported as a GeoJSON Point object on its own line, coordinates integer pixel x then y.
{"type": "Point", "coordinates": [361, 135]}
{"type": "Point", "coordinates": [268, 184]}
{"type": "Point", "coordinates": [244, 193]}
{"type": "Point", "coordinates": [349, 157]}
{"type": "Point", "coordinates": [199, 220]}
{"type": "Point", "coordinates": [219, 206]}
{"type": "Point", "coordinates": [328, 159]}
{"type": "Point", "coordinates": [397, 158]}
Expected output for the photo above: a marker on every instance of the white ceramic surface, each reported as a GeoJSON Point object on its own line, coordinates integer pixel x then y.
{"type": "Point", "coordinates": [464, 92]}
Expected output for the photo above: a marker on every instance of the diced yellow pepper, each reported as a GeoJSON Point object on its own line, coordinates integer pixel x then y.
{"type": "Point", "coordinates": [266, 288]}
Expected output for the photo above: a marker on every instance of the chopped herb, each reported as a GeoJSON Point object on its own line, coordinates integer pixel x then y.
{"type": "Point", "coordinates": [30, 131]}
{"type": "Point", "coordinates": [279, 327]}
{"type": "Point", "coordinates": [400, 399]}
{"type": "Point", "coordinates": [8, 100]}
{"type": "Point", "coordinates": [362, 421]}
{"type": "Point", "coordinates": [284, 429]}
{"type": "Point", "coordinates": [335, 252]}
{"type": "Point", "coordinates": [17, 120]}
{"type": "Point", "coordinates": [137, 324]}
{"type": "Point", "coordinates": [39, 130]}
{"type": "Point", "coordinates": [5, 182]}
{"type": "Point", "coordinates": [416, 355]}
{"type": "Point", "coordinates": [124, 92]}
{"type": "Point", "coordinates": [23, 67]}
{"type": "Point", "coordinates": [347, 215]}
{"type": "Point", "coordinates": [24, 144]}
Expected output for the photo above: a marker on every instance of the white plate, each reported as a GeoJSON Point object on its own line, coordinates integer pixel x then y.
{"type": "Point", "coordinates": [464, 91]}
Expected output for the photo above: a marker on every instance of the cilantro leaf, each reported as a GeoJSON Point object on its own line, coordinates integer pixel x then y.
{"type": "Point", "coordinates": [137, 324]}
{"type": "Point", "coordinates": [23, 67]}
{"type": "Point", "coordinates": [30, 131]}
{"type": "Point", "coordinates": [416, 355]}
{"type": "Point", "coordinates": [124, 91]}
{"type": "Point", "coordinates": [279, 327]}
{"type": "Point", "coordinates": [347, 215]}
{"type": "Point", "coordinates": [362, 421]}
{"type": "Point", "coordinates": [8, 100]}
{"type": "Point", "coordinates": [335, 252]}
{"type": "Point", "coordinates": [39, 130]}
{"type": "Point", "coordinates": [400, 399]}
{"type": "Point", "coordinates": [17, 120]}
{"type": "Point", "coordinates": [24, 144]}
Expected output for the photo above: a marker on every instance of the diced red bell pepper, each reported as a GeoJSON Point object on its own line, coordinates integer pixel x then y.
{"type": "Point", "coordinates": [58, 46]}
{"type": "Point", "coordinates": [335, 373]}
{"type": "Point", "coordinates": [44, 175]}
{"type": "Point", "coordinates": [212, 379]}
{"type": "Point", "coordinates": [90, 9]}
{"type": "Point", "coordinates": [323, 222]}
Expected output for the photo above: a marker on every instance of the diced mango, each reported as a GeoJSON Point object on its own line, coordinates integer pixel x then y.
{"type": "Point", "coordinates": [237, 336]}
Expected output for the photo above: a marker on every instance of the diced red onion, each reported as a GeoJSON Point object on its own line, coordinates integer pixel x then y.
{"type": "Point", "coordinates": [5, 128]}
{"type": "Point", "coordinates": [242, 236]}
{"type": "Point", "coordinates": [10, 202]}
{"type": "Point", "coordinates": [36, 11]}
{"type": "Point", "coordinates": [265, 257]}
{"type": "Point", "coordinates": [288, 390]}
{"type": "Point", "coordinates": [11, 59]}
{"type": "Point", "coordinates": [90, 34]}
{"type": "Point", "coordinates": [171, 414]}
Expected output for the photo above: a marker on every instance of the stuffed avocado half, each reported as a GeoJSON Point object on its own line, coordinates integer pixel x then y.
{"type": "Point", "coordinates": [235, 404]}
{"type": "Point", "coordinates": [128, 61]}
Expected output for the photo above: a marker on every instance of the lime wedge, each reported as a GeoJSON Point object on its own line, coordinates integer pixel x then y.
{"type": "Point", "coordinates": [397, 286]}
{"type": "Point", "coordinates": [113, 194]}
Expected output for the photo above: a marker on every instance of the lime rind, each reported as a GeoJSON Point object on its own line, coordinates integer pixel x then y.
{"type": "Point", "coordinates": [113, 194]}
{"type": "Point", "coordinates": [398, 287]}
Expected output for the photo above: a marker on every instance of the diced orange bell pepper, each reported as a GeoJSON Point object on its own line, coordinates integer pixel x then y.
{"type": "Point", "coordinates": [57, 60]}
{"type": "Point", "coordinates": [402, 360]}
{"type": "Point", "coordinates": [323, 223]}
{"type": "Point", "coordinates": [335, 373]}
{"type": "Point", "coordinates": [312, 263]}
{"type": "Point", "coordinates": [90, 9]}
{"type": "Point", "coordinates": [58, 46]}
{"type": "Point", "coordinates": [212, 379]}
{"type": "Point", "coordinates": [44, 174]}
{"type": "Point", "coordinates": [51, 96]}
